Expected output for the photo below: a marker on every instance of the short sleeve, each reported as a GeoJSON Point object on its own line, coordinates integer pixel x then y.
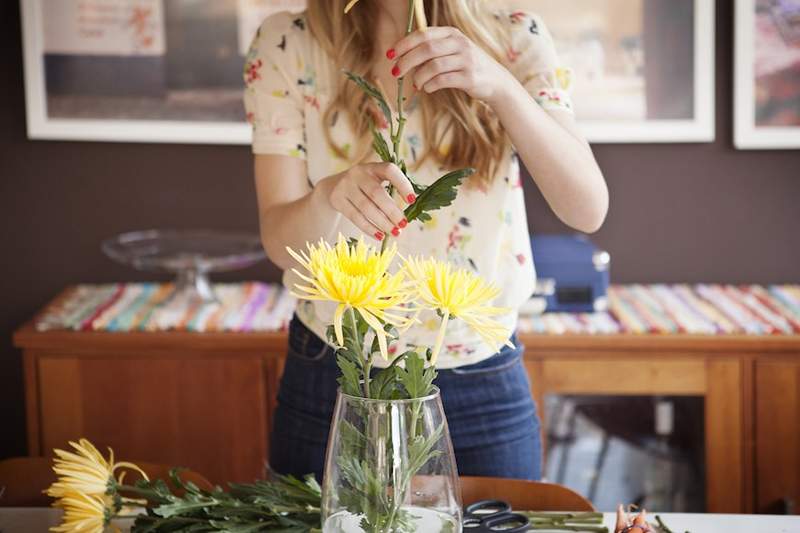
{"type": "Point", "coordinates": [533, 60]}
{"type": "Point", "coordinates": [273, 97]}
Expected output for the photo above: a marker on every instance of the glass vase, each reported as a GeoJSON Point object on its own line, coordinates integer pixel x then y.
{"type": "Point", "coordinates": [390, 467]}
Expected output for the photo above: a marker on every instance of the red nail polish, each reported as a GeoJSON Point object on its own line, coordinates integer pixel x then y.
{"type": "Point", "coordinates": [390, 53]}
{"type": "Point", "coordinates": [379, 235]}
{"type": "Point", "coordinates": [403, 223]}
{"type": "Point", "coordinates": [411, 198]}
{"type": "Point", "coordinates": [395, 231]}
{"type": "Point", "coordinates": [395, 71]}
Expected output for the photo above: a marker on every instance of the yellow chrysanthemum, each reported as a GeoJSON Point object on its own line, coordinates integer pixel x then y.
{"type": "Point", "coordinates": [84, 513]}
{"type": "Point", "coordinates": [86, 471]}
{"type": "Point", "coordinates": [457, 293]}
{"type": "Point", "coordinates": [356, 277]}
{"type": "Point", "coordinates": [419, 12]}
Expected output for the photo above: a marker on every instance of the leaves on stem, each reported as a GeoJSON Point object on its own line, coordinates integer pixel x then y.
{"type": "Point", "coordinates": [438, 194]}
{"type": "Point", "coordinates": [373, 92]}
{"type": "Point", "coordinates": [415, 377]}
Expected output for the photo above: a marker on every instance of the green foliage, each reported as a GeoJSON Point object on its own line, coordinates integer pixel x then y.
{"type": "Point", "coordinates": [286, 504]}
{"type": "Point", "coordinates": [415, 377]}
{"type": "Point", "coordinates": [438, 194]}
{"type": "Point", "coordinates": [373, 93]}
{"type": "Point", "coordinates": [380, 147]}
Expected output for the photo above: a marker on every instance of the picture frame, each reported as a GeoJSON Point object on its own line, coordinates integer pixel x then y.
{"type": "Point", "coordinates": [679, 34]}
{"type": "Point", "coordinates": [767, 75]}
{"type": "Point", "coordinates": [52, 115]}
{"type": "Point", "coordinates": [109, 18]}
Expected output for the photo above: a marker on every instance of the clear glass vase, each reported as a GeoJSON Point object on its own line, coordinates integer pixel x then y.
{"type": "Point", "coordinates": [390, 467]}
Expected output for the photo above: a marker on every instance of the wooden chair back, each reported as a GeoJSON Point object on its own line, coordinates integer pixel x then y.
{"type": "Point", "coordinates": [23, 480]}
{"type": "Point", "coordinates": [522, 494]}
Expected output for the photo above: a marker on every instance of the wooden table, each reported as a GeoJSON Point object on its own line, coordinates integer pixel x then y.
{"type": "Point", "coordinates": [35, 519]}
{"type": "Point", "coordinates": [204, 400]}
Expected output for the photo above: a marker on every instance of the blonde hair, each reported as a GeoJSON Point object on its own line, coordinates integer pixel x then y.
{"type": "Point", "coordinates": [459, 131]}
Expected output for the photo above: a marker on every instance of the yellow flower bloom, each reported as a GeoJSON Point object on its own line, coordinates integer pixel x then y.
{"type": "Point", "coordinates": [84, 513]}
{"type": "Point", "coordinates": [356, 277]}
{"type": "Point", "coordinates": [457, 293]}
{"type": "Point", "coordinates": [85, 472]}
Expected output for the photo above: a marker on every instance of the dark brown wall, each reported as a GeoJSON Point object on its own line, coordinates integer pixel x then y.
{"type": "Point", "coordinates": [695, 212]}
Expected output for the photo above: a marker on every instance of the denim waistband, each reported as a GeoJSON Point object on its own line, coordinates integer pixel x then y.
{"type": "Point", "coordinates": [306, 345]}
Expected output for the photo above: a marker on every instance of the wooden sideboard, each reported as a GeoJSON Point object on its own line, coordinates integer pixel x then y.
{"type": "Point", "coordinates": [204, 400]}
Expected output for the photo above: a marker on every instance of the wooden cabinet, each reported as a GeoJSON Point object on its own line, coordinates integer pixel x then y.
{"type": "Point", "coordinates": [204, 400]}
{"type": "Point", "coordinates": [777, 413]}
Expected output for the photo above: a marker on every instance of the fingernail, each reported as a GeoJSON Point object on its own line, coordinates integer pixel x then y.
{"type": "Point", "coordinates": [395, 231]}
{"type": "Point", "coordinates": [390, 53]}
{"type": "Point", "coordinates": [379, 235]}
{"type": "Point", "coordinates": [395, 71]}
{"type": "Point", "coordinates": [411, 198]}
{"type": "Point", "coordinates": [403, 223]}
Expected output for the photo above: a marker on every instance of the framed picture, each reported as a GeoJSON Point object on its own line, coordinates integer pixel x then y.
{"type": "Point", "coordinates": [139, 70]}
{"type": "Point", "coordinates": [767, 74]}
{"type": "Point", "coordinates": [170, 71]}
{"type": "Point", "coordinates": [643, 70]}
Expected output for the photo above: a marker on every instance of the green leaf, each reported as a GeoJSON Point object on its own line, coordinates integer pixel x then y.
{"type": "Point", "coordinates": [373, 92]}
{"type": "Point", "coordinates": [380, 146]}
{"type": "Point", "coordinates": [417, 380]}
{"type": "Point", "coordinates": [438, 194]}
{"type": "Point", "coordinates": [350, 380]}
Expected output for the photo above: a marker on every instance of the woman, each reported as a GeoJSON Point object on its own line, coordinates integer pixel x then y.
{"type": "Point", "coordinates": [485, 87]}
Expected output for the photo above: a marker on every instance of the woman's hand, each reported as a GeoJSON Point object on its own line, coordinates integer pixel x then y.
{"type": "Point", "coordinates": [358, 194]}
{"type": "Point", "coordinates": [444, 58]}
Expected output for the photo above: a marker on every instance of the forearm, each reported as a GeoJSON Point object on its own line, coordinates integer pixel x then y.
{"type": "Point", "coordinates": [295, 223]}
{"type": "Point", "coordinates": [560, 162]}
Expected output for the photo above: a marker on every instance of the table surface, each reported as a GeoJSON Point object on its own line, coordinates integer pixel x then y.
{"type": "Point", "coordinates": [34, 520]}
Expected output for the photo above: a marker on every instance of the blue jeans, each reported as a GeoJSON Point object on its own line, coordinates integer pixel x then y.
{"type": "Point", "coordinates": [490, 412]}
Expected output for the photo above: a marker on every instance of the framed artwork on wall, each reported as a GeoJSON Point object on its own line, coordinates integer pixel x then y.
{"type": "Point", "coordinates": [170, 71]}
{"type": "Point", "coordinates": [643, 70]}
{"type": "Point", "coordinates": [767, 74]}
{"type": "Point", "coordinates": [139, 70]}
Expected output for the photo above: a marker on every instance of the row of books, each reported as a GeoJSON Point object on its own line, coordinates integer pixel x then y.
{"type": "Point", "coordinates": [249, 306]}
{"type": "Point", "coordinates": [705, 309]}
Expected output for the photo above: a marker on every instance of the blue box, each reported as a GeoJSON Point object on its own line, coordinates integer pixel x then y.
{"type": "Point", "coordinates": [572, 273]}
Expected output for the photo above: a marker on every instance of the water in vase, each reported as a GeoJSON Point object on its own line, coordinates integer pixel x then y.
{"type": "Point", "coordinates": [420, 520]}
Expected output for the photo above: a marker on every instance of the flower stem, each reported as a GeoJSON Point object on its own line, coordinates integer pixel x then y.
{"type": "Point", "coordinates": [360, 346]}
{"type": "Point", "coordinates": [397, 134]}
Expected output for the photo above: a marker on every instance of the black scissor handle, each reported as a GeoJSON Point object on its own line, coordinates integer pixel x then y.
{"type": "Point", "coordinates": [501, 521]}
{"type": "Point", "coordinates": [486, 508]}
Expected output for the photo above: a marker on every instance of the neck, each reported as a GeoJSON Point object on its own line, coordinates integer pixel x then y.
{"type": "Point", "coordinates": [392, 20]}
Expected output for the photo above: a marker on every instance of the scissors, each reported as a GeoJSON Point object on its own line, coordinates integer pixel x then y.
{"type": "Point", "coordinates": [489, 516]}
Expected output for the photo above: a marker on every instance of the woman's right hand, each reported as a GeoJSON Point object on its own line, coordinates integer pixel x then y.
{"type": "Point", "coordinates": [359, 194]}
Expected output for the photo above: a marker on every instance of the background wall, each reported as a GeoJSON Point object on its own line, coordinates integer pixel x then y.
{"type": "Point", "coordinates": [693, 212]}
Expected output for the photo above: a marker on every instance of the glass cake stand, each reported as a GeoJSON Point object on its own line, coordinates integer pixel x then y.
{"type": "Point", "coordinates": [190, 254]}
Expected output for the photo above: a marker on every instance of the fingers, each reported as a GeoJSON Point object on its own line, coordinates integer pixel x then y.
{"type": "Point", "coordinates": [391, 173]}
{"type": "Point", "coordinates": [414, 39]}
{"type": "Point", "coordinates": [361, 222]}
{"type": "Point", "coordinates": [446, 80]}
{"type": "Point", "coordinates": [381, 207]}
{"type": "Point", "coordinates": [425, 52]}
{"type": "Point", "coordinates": [377, 211]}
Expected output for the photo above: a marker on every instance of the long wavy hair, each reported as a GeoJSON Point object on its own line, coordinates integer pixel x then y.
{"type": "Point", "coordinates": [459, 131]}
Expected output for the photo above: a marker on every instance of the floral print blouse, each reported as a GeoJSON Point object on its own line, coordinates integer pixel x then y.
{"type": "Point", "coordinates": [290, 81]}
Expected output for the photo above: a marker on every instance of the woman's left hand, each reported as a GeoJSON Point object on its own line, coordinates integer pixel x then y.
{"type": "Point", "coordinates": [444, 58]}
